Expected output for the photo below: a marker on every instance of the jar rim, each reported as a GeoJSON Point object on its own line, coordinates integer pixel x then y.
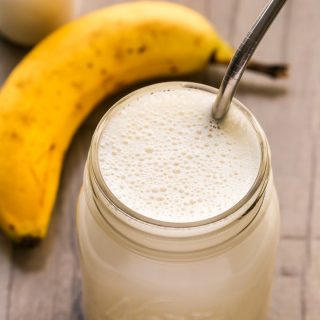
{"type": "Point", "coordinates": [224, 218]}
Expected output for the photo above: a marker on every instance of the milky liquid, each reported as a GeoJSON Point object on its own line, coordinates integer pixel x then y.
{"type": "Point", "coordinates": [163, 156]}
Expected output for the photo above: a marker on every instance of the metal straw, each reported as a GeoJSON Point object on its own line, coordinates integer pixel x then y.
{"type": "Point", "coordinates": [241, 58]}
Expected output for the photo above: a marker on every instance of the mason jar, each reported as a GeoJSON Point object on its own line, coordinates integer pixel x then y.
{"type": "Point", "coordinates": [136, 269]}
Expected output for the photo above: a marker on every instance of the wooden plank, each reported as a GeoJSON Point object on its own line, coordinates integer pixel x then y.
{"type": "Point", "coordinates": [87, 6]}
{"type": "Point", "coordinates": [286, 299]}
{"type": "Point", "coordinates": [5, 275]}
{"type": "Point", "coordinates": [291, 253]}
{"type": "Point", "coordinates": [223, 16]}
{"type": "Point", "coordinates": [315, 219]}
{"type": "Point", "coordinates": [286, 291]}
{"type": "Point", "coordinates": [199, 5]}
{"type": "Point", "coordinates": [312, 293]}
{"type": "Point", "coordinates": [311, 276]}
{"type": "Point", "coordinates": [315, 124]}
{"type": "Point", "coordinates": [278, 111]}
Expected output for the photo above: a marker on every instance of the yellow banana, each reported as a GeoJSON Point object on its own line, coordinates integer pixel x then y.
{"type": "Point", "coordinates": [60, 81]}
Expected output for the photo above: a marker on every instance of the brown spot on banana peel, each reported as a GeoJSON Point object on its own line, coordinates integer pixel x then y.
{"type": "Point", "coordinates": [26, 119]}
{"type": "Point", "coordinates": [103, 71]}
{"type": "Point", "coordinates": [41, 157]}
{"type": "Point", "coordinates": [198, 40]}
{"type": "Point", "coordinates": [107, 80]}
{"type": "Point", "coordinates": [89, 65]}
{"type": "Point", "coordinates": [21, 84]}
{"type": "Point", "coordinates": [79, 106]}
{"type": "Point", "coordinates": [76, 85]}
{"type": "Point", "coordinates": [173, 69]}
{"type": "Point", "coordinates": [142, 49]}
{"type": "Point", "coordinates": [15, 136]}
{"type": "Point", "coordinates": [119, 54]}
{"type": "Point", "coordinates": [150, 29]}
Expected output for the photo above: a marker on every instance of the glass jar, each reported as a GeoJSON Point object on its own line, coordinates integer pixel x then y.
{"type": "Point", "coordinates": [134, 269]}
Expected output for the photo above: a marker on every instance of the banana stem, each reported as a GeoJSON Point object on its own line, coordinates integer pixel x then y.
{"type": "Point", "coordinates": [275, 71]}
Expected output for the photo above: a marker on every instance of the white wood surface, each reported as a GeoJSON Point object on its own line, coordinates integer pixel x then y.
{"type": "Point", "coordinates": [44, 283]}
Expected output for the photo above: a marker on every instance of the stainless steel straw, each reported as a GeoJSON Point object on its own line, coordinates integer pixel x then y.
{"type": "Point", "coordinates": [241, 58]}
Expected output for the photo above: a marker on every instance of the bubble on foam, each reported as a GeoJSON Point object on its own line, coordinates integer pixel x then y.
{"type": "Point", "coordinates": [163, 156]}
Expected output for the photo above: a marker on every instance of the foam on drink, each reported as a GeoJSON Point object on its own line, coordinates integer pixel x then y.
{"type": "Point", "coordinates": [163, 156]}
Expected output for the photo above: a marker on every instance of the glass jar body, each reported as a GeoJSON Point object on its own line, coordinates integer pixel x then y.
{"type": "Point", "coordinates": [231, 282]}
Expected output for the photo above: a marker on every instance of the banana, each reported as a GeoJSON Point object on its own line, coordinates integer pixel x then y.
{"type": "Point", "coordinates": [62, 79]}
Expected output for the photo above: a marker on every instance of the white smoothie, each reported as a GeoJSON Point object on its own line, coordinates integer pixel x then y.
{"type": "Point", "coordinates": [160, 154]}
{"type": "Point", "coordinates": [163, 156]}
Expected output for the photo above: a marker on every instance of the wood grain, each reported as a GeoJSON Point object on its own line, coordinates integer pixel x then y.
{"type": "Point", "coordinates": [45, 283]}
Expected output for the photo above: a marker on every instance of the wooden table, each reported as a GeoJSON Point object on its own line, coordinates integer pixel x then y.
{"type": "Point", "coordinates": [44, 283]}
